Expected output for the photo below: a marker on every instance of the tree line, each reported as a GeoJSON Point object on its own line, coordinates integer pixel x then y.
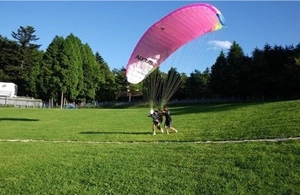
{"type": "Point", "coordinates": [69, 71]}
{"type": "Point", "coordinates": [270, 73]}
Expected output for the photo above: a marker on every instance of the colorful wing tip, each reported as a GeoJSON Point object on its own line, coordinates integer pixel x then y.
{"type": "Point", "coordinates": [221, 19]}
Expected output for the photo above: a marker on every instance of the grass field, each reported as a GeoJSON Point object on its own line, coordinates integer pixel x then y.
{"type": "Point", "coordinates": [112, 151]}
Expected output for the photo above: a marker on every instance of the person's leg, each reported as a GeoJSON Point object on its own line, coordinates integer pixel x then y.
{"type": "Point", "coordinates": [167, 126]}
{"type": "Point", "coordinates": [167, 129]}
{"type": "Point", "coordinates": [174, 129]}
{"type": "Point", "coordinates": [171, 127]}
{"type": "Point", "coordinates": [161, 129]}
{"type": "Point", "coordinates": [153, 129]}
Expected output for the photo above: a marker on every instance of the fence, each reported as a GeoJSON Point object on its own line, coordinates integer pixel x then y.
{"type": "Point", "coordinates": [21, 102]}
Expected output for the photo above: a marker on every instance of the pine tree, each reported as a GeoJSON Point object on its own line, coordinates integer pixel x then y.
{"type": "Point", "coordinates": [236, 65]}
{"type": "Point", "coordinates": [107, 89]}
{"type": "Point", "coordinates": [219, 76]}
{"type": "Point", "coordinates": [28, 61]}
{"type": "Point", "coordinates": [91, 73]}
{"type": "Point", "coordinates": [54, 71]}
{"type": "Point", "coordinates": [73, 66]}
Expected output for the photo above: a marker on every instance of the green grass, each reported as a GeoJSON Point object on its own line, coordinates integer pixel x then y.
{"type": "Point", "coordinates": [195, 123]}
{"type": "Point", "coordinates": [114, 152]}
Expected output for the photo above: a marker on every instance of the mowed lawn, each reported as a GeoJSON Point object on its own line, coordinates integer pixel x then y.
{"type": "Point", "coordinates": [112, 151]}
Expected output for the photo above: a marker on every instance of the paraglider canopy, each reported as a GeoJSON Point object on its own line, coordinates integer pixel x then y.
{"type": "Point", "coordinates": [170, 33]}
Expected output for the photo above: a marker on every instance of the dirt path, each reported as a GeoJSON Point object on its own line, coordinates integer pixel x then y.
{"type": "Point", "coordinates": [137, 142]}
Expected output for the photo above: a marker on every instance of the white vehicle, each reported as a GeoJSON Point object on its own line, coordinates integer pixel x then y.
{"type": "Point", "coordinates": [8, 89]}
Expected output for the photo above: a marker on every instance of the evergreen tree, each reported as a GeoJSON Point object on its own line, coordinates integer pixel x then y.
{"type": "Point", "coordinates": [171, 82]}
{"type": "Point", "coordinates": [219, 75]}
{"type": "Point", "coordinates": [198, 83]}
{"type": "Point", "coordinates": [107, 89]}
{"type": "Point", "coordinates": [25, 36]}
{"type": "Point", "coordinates": [259, 75]}
{"type": "Point", "coordinates": [73, 66]}
{"type": "Point", "coordinates": [91, 73]}
{"type": "Point", "coordinates": [121, 82]}
{"type": "Point", "coordinates": [236, 65]}
{"type": "Point", "coordinates": [8, 60]}
{"type": "Point", "coordinates": [181, 93]}
{"type": "Point", "coordinates": [297, 55]}
{"type": "Point", "coordinates": [54, 70]}
{"type": "Point", "coordinates": [28, 59]}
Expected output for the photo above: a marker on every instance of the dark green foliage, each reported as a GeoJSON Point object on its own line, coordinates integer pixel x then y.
{"type": "Point", "coordinates": [197, 84]}
{"type": "Point", "coordinates": [124, 91]}
{"type": "Point", "coordinates": [152, 86]}
{"type": "Point", "coordinates": [69, 71]}
{"type": "Point", "coordinates": [170, 84]}
{"type": "Point", "coordinates": [159, 87]}
{"type": "Point", "coordinates": [219, 74]}
{"type": "Point", "coordinates": [73, 66]}
{"type": "Point", "coordinates": [21, 60]}
{"type": "Point", "coordinates": [273, 72]}
{"type": "Point", "coordinates": [25, 36]}
{"type": "Point", "coordinates": [91, 73]}
{"type": "Point", "coordinates": [181, 93]}
{"type": "Point", "coordinates": [53, 71]}
{"type": "Point", "coordinates": [107, 87]}
{"type": "Point", "coordinates": [8, 59]}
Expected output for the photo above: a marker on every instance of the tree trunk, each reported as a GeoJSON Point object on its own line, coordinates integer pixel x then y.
{"type": "Point", "coordinates": [61, 100]}
{"type": "Point", "coordinates": [50, 103]}
{"type": "Point", "coordinates": [64, 102]}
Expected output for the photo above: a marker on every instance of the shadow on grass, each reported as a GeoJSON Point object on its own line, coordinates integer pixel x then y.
{"type": "Point", "coordinates": [18, 119]}
{"type": "Point", "coordinates": [208, 108]}
{"type": "Point", "coordinates": [119, 132]}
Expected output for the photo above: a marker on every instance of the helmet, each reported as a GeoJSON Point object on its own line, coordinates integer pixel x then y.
{"type": "Point", "coordinates": [151, 111]}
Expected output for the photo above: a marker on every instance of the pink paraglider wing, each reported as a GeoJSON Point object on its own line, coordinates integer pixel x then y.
{"type": "Point", "coordinates": [168, 34]}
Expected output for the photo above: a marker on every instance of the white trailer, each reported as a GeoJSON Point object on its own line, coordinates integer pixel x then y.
{"type": "Point", "coordinates": [8, 89]}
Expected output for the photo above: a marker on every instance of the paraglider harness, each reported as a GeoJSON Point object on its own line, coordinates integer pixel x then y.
{"type": "Point", "coordinates": [157, 117]}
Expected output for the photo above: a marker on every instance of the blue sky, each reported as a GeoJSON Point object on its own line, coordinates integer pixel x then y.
{"type": "Point", "coordinates": [113, 28]}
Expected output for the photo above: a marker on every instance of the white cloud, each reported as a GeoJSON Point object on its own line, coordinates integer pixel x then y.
{"type": "Point", "coordinates": [215, 44]}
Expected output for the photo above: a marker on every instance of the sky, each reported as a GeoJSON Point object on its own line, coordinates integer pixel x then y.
{"type": "Point", "coordinates": [113, 28]}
